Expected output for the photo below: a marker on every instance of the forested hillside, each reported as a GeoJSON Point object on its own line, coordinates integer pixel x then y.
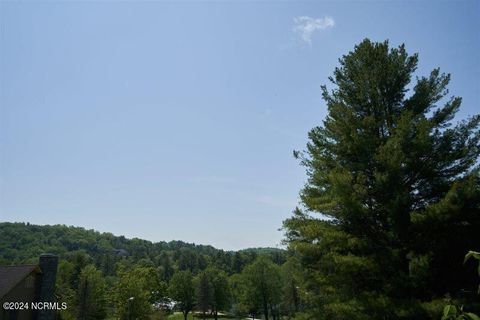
{"type": "Point", "coordinates": [22, 243]}
{"type": "Point", "coordinates": [99, 272]}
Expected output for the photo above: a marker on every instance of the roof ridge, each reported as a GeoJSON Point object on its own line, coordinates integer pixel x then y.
{"type": "Point", "coordinates": [10, 276]}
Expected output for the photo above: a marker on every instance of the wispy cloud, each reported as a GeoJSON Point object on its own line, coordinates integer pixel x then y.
{"type": "Point", "coordinates": [306, 26]}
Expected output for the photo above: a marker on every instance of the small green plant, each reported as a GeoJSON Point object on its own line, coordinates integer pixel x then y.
{"type": "Point", "coordinates": [452, 312]}
{"type": "Point", "coordinates": [475, 255]}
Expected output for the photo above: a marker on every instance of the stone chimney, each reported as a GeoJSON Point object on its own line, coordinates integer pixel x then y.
{"type": "Point", "coordinates": [48, 265]}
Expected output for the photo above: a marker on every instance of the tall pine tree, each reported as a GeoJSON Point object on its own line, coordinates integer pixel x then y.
{"type": "Point", "coordinates": [391, 204]}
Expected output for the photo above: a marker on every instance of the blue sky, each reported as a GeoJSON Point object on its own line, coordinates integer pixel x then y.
{"type": "Point", "coordinates": [167, 120]}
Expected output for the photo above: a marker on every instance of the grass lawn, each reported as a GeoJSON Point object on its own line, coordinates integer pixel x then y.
{"type": "Point", "coordinates": [179, 316]}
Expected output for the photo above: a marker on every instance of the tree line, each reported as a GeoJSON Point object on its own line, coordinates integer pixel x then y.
{"type": "Point", "coordinates": [262, 289]}
{"type": "Point", "coordinates": [102, 276]}
{"type": "Point", "coordinates": [23, 243]}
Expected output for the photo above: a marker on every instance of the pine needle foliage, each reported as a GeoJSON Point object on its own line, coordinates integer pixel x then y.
{"type": "Point", "coordinates": [392, 197]}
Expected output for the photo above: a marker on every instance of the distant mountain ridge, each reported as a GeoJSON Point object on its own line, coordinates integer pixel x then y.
{"type": "Point", "coordinates": [23, 242]}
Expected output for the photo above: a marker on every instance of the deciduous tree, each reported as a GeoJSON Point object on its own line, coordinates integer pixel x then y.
{"type": "Point", "coordinates": [91, 300]}
{"type": "Point", "coordinates": [182, 290]}
{"type": "Point", "coordinates": [261, 286]}
{"type": "Point", "coordinates": [132, 295]}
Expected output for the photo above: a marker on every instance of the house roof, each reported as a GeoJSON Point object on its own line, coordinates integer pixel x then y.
{"type": "Point", "coordinates": [10, 276]}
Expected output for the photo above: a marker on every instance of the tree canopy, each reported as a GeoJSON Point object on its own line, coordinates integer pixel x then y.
{"type": "Point", "coordinates": [91, 300]}
{"type": "Point", "coordinates": [391, 204]}
{"type": "Point", "coordinates": [182, 290]}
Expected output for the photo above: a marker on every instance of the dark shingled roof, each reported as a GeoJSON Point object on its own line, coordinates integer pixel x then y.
{"type": "Point", "coordinates": [10, 276]}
